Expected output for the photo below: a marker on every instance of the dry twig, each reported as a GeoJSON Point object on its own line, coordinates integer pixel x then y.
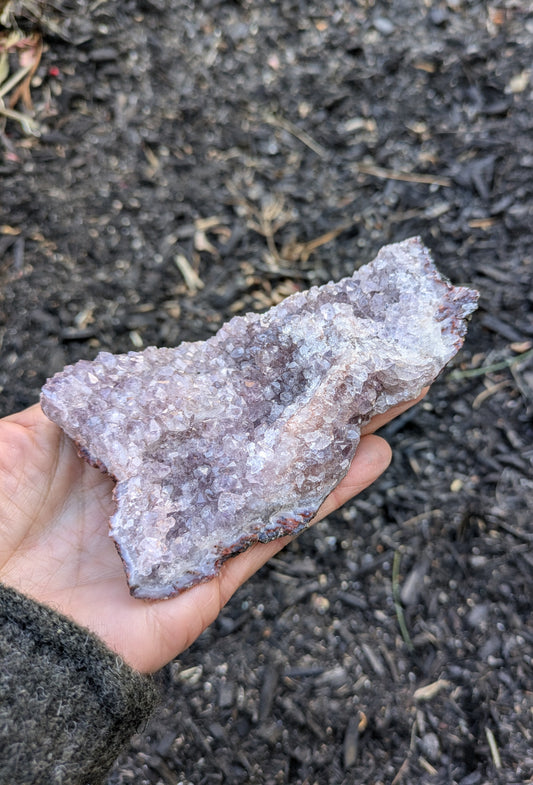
{"type": "Point", "coordinates": [302, 136]}
{"type": "Point", "coordinates": [395, 174]}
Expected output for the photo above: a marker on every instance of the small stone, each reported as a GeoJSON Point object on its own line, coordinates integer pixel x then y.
{"type": "Point", "coordinates": [104, 55]}
{"type": "Point", "coordinates": [383, 25]}
{"type": "Point", "coordinates": [190, 676]}
{"type": "Point", "coordinates": [430, 746]}
{"type": "Point", "coordinates": [334, 677]}
{"type": "Point", "coordinates": [319, 603]}
{"type": "Point", "coordinates": [221, 443]}
{"type": "Point", "coordinates": [438, 16]}
{"type": "Point", "coordinates": [478, 616]}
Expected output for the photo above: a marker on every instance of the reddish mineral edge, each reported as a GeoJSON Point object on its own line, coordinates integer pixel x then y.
{"type": "Point", "coordinates": [220, 443]}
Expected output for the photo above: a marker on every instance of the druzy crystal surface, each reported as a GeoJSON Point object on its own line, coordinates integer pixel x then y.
{"type": "Point", "coordinates": [217, 444]}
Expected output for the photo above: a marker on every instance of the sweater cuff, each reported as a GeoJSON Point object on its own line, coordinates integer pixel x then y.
{"type": "Point", "coordinates": [68, 705]}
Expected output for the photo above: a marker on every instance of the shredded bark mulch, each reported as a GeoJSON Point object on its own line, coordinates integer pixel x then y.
{"type": "Point", "coordinates": [168, 165]}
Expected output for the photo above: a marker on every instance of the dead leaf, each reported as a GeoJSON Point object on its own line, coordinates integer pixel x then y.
{"type": "Point", "coordinates": [294, 251]}
{"type": "Point", "coordinates": [13, 231]}
{"type": "Point", "coordinates": [29, 58]}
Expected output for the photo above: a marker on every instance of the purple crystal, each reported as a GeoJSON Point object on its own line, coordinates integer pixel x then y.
{"type": "Point", "coordinates": [220, 443]}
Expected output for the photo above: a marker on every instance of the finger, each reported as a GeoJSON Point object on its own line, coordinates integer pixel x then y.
{"type": "Point", "coordinates": [29, 417]}
{"type": "Point", "coordinates": [373, 456]}
{"type": "Point", "coordinates": [45, 437]}
{"type": "Point", "coordinates": [382, 419]}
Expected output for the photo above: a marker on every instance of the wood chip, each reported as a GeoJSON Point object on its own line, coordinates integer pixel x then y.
{"type": "Point", "coordinates": [190, 276]}
{"type": "Point", "coordinates": [430, 690]}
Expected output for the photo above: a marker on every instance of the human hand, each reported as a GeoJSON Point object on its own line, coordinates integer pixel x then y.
{"type": "Point", "coordinates": [55, 548]}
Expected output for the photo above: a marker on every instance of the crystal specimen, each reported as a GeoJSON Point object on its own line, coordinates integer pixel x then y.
{"type": "Point", "coordinates": [217, 444]}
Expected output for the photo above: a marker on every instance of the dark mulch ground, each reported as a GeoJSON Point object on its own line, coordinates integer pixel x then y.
{"type": "Point", "coordinates": [229, 139]}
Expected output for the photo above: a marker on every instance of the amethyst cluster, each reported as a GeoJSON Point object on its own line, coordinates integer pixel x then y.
{"type": "Point", "coordinates": [218, 444]}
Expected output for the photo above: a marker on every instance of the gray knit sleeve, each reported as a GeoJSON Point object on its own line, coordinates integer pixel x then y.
{"type": "Point", "coordinates": [67, 703]}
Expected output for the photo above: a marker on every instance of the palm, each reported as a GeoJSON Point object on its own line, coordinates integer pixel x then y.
{"type": "Point", "coordinates": [54, 543]}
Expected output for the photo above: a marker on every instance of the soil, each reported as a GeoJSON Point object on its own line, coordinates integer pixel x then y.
{"type": "Point", "coordinates": [198, 160]}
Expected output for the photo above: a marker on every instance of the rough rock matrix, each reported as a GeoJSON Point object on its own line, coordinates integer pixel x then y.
{"type": "Point", "coordinates": [220, 443]}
